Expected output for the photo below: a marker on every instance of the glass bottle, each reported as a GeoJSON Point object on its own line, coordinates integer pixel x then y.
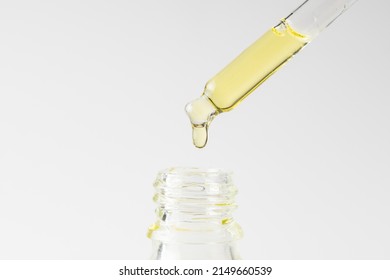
{"type": "Point", "coordinates": [194, 215]}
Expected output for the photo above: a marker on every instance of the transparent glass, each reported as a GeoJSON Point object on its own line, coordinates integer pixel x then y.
{"type": "Point", "coordinates": [313, 16]}
{"type": "Point", "coordinates": [194, 215]}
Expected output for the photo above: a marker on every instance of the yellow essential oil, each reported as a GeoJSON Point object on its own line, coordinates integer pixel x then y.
{"type": "Point", "coordinates": [242, 76]}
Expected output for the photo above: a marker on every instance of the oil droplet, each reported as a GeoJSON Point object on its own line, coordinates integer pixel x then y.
{"type": "Point", "coordinates": [200, 135]}
{"type": "Point", "coordinates": [152, 229]}
{"type": "Point", "coordinates": [226, 221]}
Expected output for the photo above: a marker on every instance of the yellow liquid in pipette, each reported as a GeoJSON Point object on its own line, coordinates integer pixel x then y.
{"type": "Point", "coordinates": [242, 76]}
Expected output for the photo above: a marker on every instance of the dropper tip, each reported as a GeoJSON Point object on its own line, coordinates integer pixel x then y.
{"type": "Point", "coordinates": [201, 112]}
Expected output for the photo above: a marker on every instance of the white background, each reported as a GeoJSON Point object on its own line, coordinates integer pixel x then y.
{"type": "Point", "coordinates": [92, 97]}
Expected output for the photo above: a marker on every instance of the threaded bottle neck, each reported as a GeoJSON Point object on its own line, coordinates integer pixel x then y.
{"type": "Point", "coordinates": [194, 206]}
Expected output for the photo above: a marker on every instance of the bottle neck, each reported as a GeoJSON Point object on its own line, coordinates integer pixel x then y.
{"type": "Point", "coordinates": [194, 215]}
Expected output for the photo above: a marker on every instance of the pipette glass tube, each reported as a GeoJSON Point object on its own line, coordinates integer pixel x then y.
{"type": "Point", "coordinates": [259, 61]}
